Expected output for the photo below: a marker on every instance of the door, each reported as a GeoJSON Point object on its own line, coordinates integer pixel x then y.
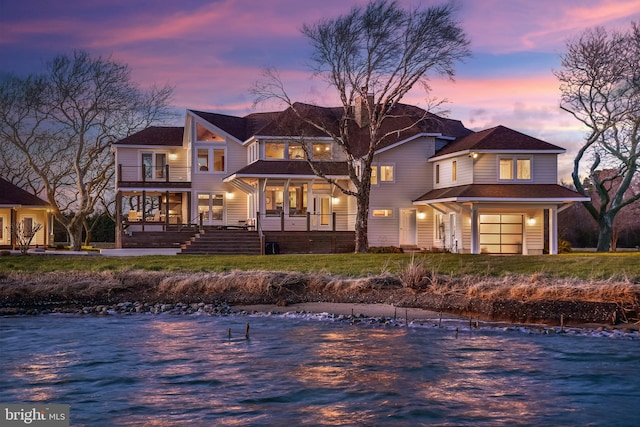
{"type": "Point", "coordinates": [211, 208]}
{"type": "Point", "coordinates": [501, 234]}
{"type": "Point", "coordinates": [408, 227]}
{"type": "Point", "coordinates": [322, 212]}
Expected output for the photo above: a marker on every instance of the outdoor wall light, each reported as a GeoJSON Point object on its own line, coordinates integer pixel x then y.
{"type": "Point", "coordinates": [473, 155]}
{"type": "Point", "coordinates": [229, 196]}
{"type": "Point", "coordinates": [531, 221]}
{"type": "Point", "coordinates": [422, 215]}
{"type": "Point", "coordinates": [335, 200]}
{"type": "Point", "coordinates": [173, 156]}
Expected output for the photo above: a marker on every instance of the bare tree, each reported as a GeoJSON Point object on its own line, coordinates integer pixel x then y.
{"type": "Point", "coordinates": [60, 126]}
{"type": "Point", "coordinates": [23, 233]}
{"type": "Point", "coordinates": [374, 54]}
{"type": "Point", "coordinates": [600, 87]}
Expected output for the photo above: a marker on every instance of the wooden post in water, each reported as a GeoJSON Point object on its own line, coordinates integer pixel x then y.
{"type": "Point", "coordinates": [246, 331]}
{"type": "Point", "coordinates": [406, 317]}
{"type": "Point", "coordinates": [229, 333]}
{"type": "Point", "coordinates": [439, 319]}
{"type": "Point", "coordinates": [561, 322]}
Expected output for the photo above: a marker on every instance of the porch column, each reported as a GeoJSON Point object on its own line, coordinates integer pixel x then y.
{"type": "Point", "coordinates": [166, 207]}
{"type": "Point", "coordinates": [475, 235]}
{"type": "Point", "coordinates": [14, 223]}
{"type": "Point", "coordinates": [119, 219]}
{"type": "Point", "coordinates": [144, 208]}
{"type": "Point", "coordinates": [553, 230]}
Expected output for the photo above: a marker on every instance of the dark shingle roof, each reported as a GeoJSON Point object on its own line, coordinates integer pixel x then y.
{"type": "Point", "coordinates": [497, 138]}
{"type": "Point", "coordinates": [12, 195]}
{"type": "Point", "coordinates": [166, 136]}
{"type": "Point", "coordinates": [502, 191]}
{"type": "Point", "coordinates": [291, 167]}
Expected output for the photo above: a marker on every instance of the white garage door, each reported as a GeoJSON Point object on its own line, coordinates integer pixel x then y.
{"type": "Point", "coordinates": [501, 234]}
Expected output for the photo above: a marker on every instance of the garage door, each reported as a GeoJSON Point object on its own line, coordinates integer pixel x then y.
{"type": "Point", "coordinates": [501, 234]}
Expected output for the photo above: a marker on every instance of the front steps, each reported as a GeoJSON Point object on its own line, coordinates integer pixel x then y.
{"type": "Point", "coordinates": [223, 242]}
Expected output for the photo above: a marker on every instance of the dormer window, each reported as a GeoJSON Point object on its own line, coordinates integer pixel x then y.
{"type": "Point", "coordinates": [511, 168]}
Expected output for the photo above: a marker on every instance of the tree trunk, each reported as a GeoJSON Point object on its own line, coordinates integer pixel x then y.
{"type": "Point", "coordinates": [361, 228]}
{"type": "Point", "coordinates": [74, 230]}
{"type": "Point", "coordinates": [605, 233]}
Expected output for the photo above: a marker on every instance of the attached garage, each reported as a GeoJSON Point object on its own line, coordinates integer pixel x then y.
{"type": "Point", "coordinates": [501, 234]}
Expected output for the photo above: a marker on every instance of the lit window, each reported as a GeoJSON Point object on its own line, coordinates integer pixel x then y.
{"type": "Point", "coordinates": [218, 160]}
{"type": "Point", "coordinates": [454, 171]}
{"type": "Point", "coordinates": [322, 151]}
{"type": "Point", "coordinates": [382, 213]}
{"type": "Point", "coordinates": [205, 135]}
{"type": "Point", "coordinates": [523, 169]}
{"type": "Point", "coordinates": [296, 152]}
{"type": "Point", "coordinates": [274, 199]}
{"type": "Point", "coordinates": [506, 168]}
{"type": "Point", "coordinates": [374, 175]}
{"type": "Point", "coordinates": [274, 150]}
{"type": "Point", "coordinates": [203, 159]}
{"type": "Point", "coordinates": [386, 173]}
{"type": "Point", "coordinates": [298, 199]}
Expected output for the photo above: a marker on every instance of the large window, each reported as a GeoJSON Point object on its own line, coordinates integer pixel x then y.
{"type": "Point", "coordinates": [274, 150]}
{"type": "Point", "coordinates": [295, 152]}
{"type": "Point", "coordinates": [211, 207]}
{"type": "Point", "coordinates": [374, 175]}
{"type": "Point", "coordinates": [211, 159]}
{"type": "Point", "coordinates": [322, 151]}
{"type": "Point", "coordinates": [298, 199]}
{"type": "Point", "coordinates": [274, 199]}
{"type": "Point", "coordinates": [518, 168]}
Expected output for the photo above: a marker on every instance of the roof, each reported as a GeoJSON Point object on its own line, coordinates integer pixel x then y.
{"type": "Point", "coordinates": [12, 195]}
{"type": "Point", "coordinates": [501, 192]}
{"type": "Point", "coordinates": [498, 138]}
{"type": "Point", "coordinates": [166, 136]}
{"type": "Point", "coordinates": [411, 120]}
{"type": "Point", "coordinates": [265, 168]}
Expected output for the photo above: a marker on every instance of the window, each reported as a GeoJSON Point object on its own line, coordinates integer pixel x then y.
{"type": "Point", "coordinates": [211, 206]}
{"type": "Point", "coordinates": [274, 150]}
{"type": "Point", "coordinates": [515, 167]}
{"type": "Point", "coordinates": [1, 228]}
{"type": "Point", "coordinates": [386, 173]}
{"type": "Point", "coordinates": [218, 160]}
{"type": "Point", "coordinates": [205, 135]}
{"type": "Point", "coordinates": [437, 174]}
{"type": "Point", "coordinates": [274, 199]}
{"type": "Point", "coordinates": [322, 151]}
{"type": "Point", "coordinates": [523, 168]}
{"type": "Point", "coordinates": [506, 168]}
{"type": "Point", "coordinates": [382, 213]}
{"type": "Point", "coordinates": [454, 171]}
{"type": "Point", "coordinates": [298, 199]}
{"type": "Point", "coordinates": [374, 175]}
{"type": "Point", "coordinates": [295, 152]}
{"type": "Point", "coordinates": [203, 159]}
{"type": "Point", "coordinates": [154, 165]}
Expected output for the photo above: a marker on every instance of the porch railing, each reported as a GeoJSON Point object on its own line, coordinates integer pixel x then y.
{"type": "Point", "coordinates": [166, 173]}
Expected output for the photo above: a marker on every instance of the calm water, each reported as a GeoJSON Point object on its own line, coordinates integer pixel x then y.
{"type": "Point", "coordinates": [185, 370]}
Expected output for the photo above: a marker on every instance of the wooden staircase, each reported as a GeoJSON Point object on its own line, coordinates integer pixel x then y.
{"type": "Point", "coordinates": [223, 242]}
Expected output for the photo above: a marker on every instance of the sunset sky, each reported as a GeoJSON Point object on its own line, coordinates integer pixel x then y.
{"type": "Point", "coordinates": [212, 51]}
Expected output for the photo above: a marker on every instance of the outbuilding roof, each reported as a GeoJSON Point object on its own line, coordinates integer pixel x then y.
{"type": "Point", "coordinates": [12, 195]}
{"type": "Point", "coordinates": [165, 136]}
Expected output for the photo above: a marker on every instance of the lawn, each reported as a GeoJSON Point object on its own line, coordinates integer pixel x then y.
{"type": "Point", "coordinates": [588, 266]}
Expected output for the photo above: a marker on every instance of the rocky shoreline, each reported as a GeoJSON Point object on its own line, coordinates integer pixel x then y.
{"type": "Point", "coordinates": [104, 293]}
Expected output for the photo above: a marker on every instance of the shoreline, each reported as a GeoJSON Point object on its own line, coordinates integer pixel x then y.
{"type": "Point", "coordinates": [456, 297]}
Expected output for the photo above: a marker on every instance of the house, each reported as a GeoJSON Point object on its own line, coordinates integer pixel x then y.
{"type": "Point", "coordinates": [436, 185]}
{"type": "Point", "coordinates": [21, 210]}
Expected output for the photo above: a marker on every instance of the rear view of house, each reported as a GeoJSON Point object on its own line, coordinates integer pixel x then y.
{"type": "Point", "coordinates": [436, 185]}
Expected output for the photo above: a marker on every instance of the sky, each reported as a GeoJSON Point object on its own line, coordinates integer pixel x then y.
{"type": "Point", "coordinates": [212, 52]}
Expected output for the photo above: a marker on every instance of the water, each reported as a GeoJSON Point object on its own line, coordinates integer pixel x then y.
{"type": "Point", "coordinates": [170, 370]}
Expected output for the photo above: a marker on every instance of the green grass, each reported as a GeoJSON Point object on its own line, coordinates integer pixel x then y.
{"type": "Point", "coordinates": [588, 266]}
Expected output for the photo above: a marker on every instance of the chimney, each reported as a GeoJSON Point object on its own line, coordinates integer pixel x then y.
{"type": "Point", "coordinates": [360, 110]}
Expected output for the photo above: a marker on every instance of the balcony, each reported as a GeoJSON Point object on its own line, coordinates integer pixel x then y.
{"type": "Point", "coordinates": [153, 177]}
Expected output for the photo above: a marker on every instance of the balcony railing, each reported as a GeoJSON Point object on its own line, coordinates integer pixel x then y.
{"type": "Point", "coordinates": [145, 173]}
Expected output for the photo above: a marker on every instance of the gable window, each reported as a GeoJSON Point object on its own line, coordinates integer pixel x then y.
{"type": "Point", "coordinates": [205, 135]}
{"type": "Point", "coordinates": [437, 174]}
{"type": "Point", "coordinates": [454, 171]}
{"type": "Point", "coordinates": [515, 168]}
{"type": "Point", "coordinates": [386, 173]}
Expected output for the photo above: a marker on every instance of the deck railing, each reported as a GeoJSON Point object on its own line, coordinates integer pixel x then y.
{"type": "Point", "coordinates": [166, 173]}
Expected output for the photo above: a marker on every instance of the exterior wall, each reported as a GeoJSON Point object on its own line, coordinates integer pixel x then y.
{"type": "Point", "coordinates": [412, 178]}
{"type": "Point", "coordinates": [129, 161]}
{"type": "Point", "coordinates": [544, 168]}
{"type": "Point", "coordinates": [39, 216]}
{"type": "Point", "coordinates": [464, 171]}
{"type": "Point", "coordinates": [5, 224]}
